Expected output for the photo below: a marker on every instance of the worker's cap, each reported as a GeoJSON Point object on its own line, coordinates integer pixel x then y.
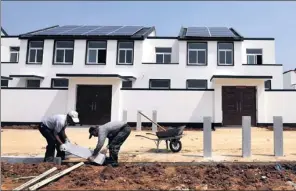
{"type": "Point", "coordinates": [74, 116]}
{"type": "Point", "coordinates": [91, 130]}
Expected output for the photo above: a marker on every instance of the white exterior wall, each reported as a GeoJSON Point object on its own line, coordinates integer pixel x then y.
{"type": "Point", "coordinates": [191, 107]}
{"type": "Point", "coordinates": [6, 43]}
{"type": "Point", "coordinates": [290, 80]}
{"type": "Point", "coordinates": [31, 105]}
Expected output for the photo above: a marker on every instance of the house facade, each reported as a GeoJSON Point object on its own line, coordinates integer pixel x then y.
{"type": "Point", "coordinates": [290, 79]}
{"type": "Point", "coordinates": [102, 71]}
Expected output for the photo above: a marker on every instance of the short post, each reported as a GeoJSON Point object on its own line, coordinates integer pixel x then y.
{"type": "Point", "coordinates": [207, 136]}
{"type": "Point", "coordinates": [124, 116]}
{"type": "Point", "coordinates": [139, 123]}
{"type": "Point", "coordinates": [246, 136]}
{"type": "Point", "coordinates": [278, 136]}
{"type": "Point", "coordinates": [154, 118]}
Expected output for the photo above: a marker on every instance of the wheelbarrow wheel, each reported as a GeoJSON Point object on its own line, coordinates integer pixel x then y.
{"type": "Point", "coordinates": [175, 145]}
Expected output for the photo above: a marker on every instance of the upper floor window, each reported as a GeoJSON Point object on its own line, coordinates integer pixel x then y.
{"type": "Point", "coordinates": [196, 84]}
{"type": "Point", "coordinates": [225, 53]}
{"type": "Point", "coordinates": [160, 84]}
{"type": "Point", "coordinates": [33, 83]}
{"type": "Point", "coordinates": [14, 54]}
{"type": "Point", "coordinates": [197, 53]}
{"type": "Point", "coordinates": [35, 52]}
{"type": "Point", "coordinates": [254, 56]}
{"type": "Point", "coordinates": [127, 84]}
{"type": "Point", "coordinates": [64, 52]}
{"type": "Point", "coordinates": [163, 55]}
{"type": "Point", "coordinates": [4, 83]}
{"type": "Point", "coordinates": [59, 83]}
{"type": "Point", "coordinates": [125, 52]}
{"type": "Point", "coordinates": [96, 52]}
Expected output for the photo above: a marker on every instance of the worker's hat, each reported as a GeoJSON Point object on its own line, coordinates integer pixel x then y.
{"type": "Point", "coordinates": [74, 116]}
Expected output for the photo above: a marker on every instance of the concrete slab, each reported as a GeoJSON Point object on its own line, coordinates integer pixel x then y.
{"type": "Point", "coordinates": [27, 159]}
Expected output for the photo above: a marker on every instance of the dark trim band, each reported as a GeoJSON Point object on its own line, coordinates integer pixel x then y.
{"type": "Point", "coordinates": [160, 63]}
{"type": "Point", "coordinates": [262, 64]}
{"type": "Point", "coordinates": [281, 90]}
{"type": "Point", "coordinates": [174, 89]}
{"type": "Point", "coordinates": [258, 38]}
{"type": "Point", "coordinates": [41, 88]}
{"type": "Point", "coordinates": [162, 37]}
{"type": "Point", "coordinates": [26, 76]}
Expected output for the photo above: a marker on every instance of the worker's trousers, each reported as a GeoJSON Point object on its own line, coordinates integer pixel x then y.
{"type": "Point", "coordinates": [52, 143]}
{"type": "Point", "coordinates": [116, 142]}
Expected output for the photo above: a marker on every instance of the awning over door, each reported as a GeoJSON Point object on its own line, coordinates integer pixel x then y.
{"type": "Point", "coordinates": [216, 77]}
{"type": "Point", "coordinates": [124, 78]}
{"type": "Point", "coordinates": [27, 76]}
{"type": "Point", "coordinates": [5, 78]}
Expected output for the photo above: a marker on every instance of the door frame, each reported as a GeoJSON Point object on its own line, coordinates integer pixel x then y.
{"type": "Point", "coordinates": [94, 85]}
{"type": "Point", "coordinates": [256, 102]}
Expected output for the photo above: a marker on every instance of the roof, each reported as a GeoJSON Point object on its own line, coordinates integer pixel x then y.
{"type": "Point", "coordinates": [209, 33]}
{"type": "Point", "coordinates": [86, 31]}
{"type": "Point", "coordinates": [4, 32]}
{"type": "Point", "coordinates": [290, 71]}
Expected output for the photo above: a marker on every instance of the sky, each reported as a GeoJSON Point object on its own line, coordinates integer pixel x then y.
{"type": "Point", "coordinates": [251, 19]}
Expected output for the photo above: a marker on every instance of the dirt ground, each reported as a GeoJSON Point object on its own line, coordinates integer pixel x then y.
{"type": "Point", "coordinates": [159, 176]}
{"type": "Point", "coordinates": [226, 145]}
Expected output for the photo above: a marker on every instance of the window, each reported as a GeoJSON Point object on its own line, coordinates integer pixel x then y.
{"type": "Point", "coordinates": [267, 84]}
{"type": "Point", "coordinates": [163, 55]}
{"type": "Point", "coordinates": [35, 52]}
{"type": "Point", "coordinates": [125, 52]}
{"type": "Point", "coordinates": [64, 52]}
{"type": "Point", "coordinates": [59, 83]}
{"type": "Point", "coordinates": [160, 84]}
{"type": "Point", "coordinates": [197, 53]}
{"type": "Point", "coordinates": [127, 84]}
{"type": "Point", "coordinates": [33, 83]}
{"type": "Point", "coordinates": [254, 56]}
{"type": "Point", "coordinates": [14, 54]}
{"type": "Point", "coordinates": [225, 53]}
{"type": "Point", "coordinates": [196, 84]}
{"type": "Point", "coordinates": [96, 52]}
{"type": "Point", "coordinates": [4, 83]}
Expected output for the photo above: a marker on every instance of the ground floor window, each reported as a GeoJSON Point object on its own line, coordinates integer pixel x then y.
{"type": "Point", "coordinates": [59, 83]}
{"type": "Point", "coordinates": [33, 83]}
{"type": "Point", "coordinates": [267, 84]}
{"type": "Point", "coordinates": [160, 84]}
{"type": "Point", "coordinates": [196, 84]}
{"type": "Point", "coordinates": [127, 84]}
{"type": "Point", "coordinates": [4, 83]}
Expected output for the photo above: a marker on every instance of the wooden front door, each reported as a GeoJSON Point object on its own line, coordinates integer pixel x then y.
{"type": "Point", "coordinates": [94, 104]}
{"type": "Point", "coordinates": [238, 102]}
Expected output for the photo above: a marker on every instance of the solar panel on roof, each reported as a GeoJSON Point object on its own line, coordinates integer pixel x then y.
{"type": "Point", "coordinates": [221, 32]}
{"type": "Point", "coordinates": [103, 30]}
{"type": "Point", "coordinates": [126, 30]}
{"type": "Point", "coordinates": [81, 30]}
{"type": "Point", "coordinates": [198, 32]}
{"type": "Point", "coordinates": [56, 30]}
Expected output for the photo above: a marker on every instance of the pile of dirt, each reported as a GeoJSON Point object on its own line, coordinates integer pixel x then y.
{"type": "Point", "coordinates": [164, 177]}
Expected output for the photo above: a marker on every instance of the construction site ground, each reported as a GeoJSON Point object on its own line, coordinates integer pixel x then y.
{"type": "Point", "coordinates": [226, 145]}
{"type": "Point", "coordinates": [158, 176]}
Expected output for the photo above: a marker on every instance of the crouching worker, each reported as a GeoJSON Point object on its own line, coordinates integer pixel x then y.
{"type": "Point", "coordinates": [116, 132]}
{"type": "Point", "coordinates": [53, 130]}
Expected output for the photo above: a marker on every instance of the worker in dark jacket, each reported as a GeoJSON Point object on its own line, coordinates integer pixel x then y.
{"type": "Point", "coordinates": [53, 130]}
{"type": "Point", "coordinates": [116, 132]}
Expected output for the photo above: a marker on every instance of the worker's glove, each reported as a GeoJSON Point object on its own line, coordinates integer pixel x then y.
{"type": "Point", "coordinates": [63, 147]}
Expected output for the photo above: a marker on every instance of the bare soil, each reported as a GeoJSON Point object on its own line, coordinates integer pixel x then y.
{"type": "Point", "coordinates": [159, 176]}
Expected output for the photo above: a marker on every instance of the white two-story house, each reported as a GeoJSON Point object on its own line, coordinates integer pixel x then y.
{"type": "Point", "coordinates": [203, 71]}
{"type": "Point", "coordinates": [290, 79]}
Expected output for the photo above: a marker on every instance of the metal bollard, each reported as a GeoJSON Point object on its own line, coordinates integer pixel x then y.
{"type": "Point", "coordinates": [246, 136]}
{"type": "Point", "coordinates": [207, 137]}
{"type": "Point", "coordinates": [278, 136]}
{"type": "Point", "coordinates": [139, 123]}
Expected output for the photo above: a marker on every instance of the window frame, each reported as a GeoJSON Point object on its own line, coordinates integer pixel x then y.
{"type": "Point", "coordinates": [55, 52]}
{"type": "Point", "coordinates": [33, 80]}
{"type": "Point", "coordinates": [197, 50]}
{"type": "Point", "coordinates": [125, 49]}
{"type": "Point", "coordinates": [52, 83]}
{"type": "Point", "coordinates": [255, 56]}
{"type": "Point", "coordinates": [196, 88]}
{"type": "Point", "coordinates": [14, 52]}
{"type": "Point", "coordinates": [225, 50]}
{"type": "Point", "coordinates": [28, 52]}
{"type": "Point", "coordinates": [5, 86]}
{"type": "Point", "coordinates": [163, 54]}
{"type": "Point", "coordinates": [161, 88]}
{"type": "Point", "coordinates": [87, 52]}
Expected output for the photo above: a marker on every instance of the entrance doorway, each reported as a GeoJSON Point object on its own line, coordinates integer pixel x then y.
{"type": "Point", "coordinates": [94, 104]}
{"type": "Point", "coordinates": [238, 101]}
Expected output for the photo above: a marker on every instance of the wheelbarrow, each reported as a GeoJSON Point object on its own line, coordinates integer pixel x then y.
{"type": "Point", "coordinates": [171, 136]}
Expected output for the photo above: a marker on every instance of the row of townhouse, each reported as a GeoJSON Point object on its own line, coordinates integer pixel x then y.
{"type": "Point", "coordinates": [103, 70]}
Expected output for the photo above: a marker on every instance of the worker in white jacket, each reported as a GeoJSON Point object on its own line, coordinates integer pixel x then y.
{"type": "Point", "coordinates": [53, 130]}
